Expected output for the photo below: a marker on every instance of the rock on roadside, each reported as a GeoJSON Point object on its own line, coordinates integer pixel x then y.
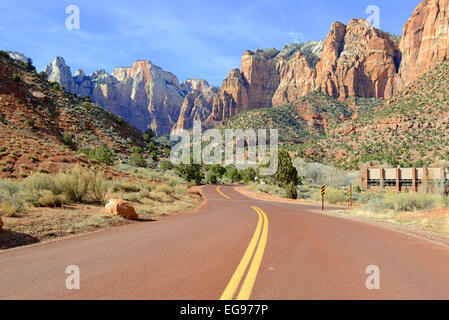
{"type": "Point", "coordinates": [121, 208]}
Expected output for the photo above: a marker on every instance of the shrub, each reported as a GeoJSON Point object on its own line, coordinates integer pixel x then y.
{"type": "Point", "coordinates": [6, 210]}
{"type": "Point", "coordinates": [149, 135]}
{"type": "Point", "coordinates": [74, 183]}
{"type": "Point", "coordinates": [120, 121]}
{"type": "Point", "coordinates": [47, 199]}
{"type": "Point", "coordinates": [43, 75]}
{"type": "Point", "coordinates": [56, 86]}
{"type": "Point", "coordinates": [166, 165]}
{"type": "Point", "coordinates": [181, 189]}
{"type": "Point", "coordinates": [30, 122]}
{"type": "Point", "coordinates": [233, 174]}
{"type": "Point", "coordinates": [102, 154]}
{"type": "Point", "coordinates": [211, 177]}
{"type": "Point", "coordinates": [11, 202]}
{"type": "Point", "coordinates": [335, 196]}
{"type": "Point", "coordinates": [137, 160]}
{"type": "Point", "coordinates": [126, 186]}
{"type": "Point", "coordinates": [98, 187]}
{"type": "Point", "coordinates": [67, 138]}
{"type": "Point", "coordinates": [4, 54]}
{"type": "Point", "coordinates": [163, 188]}
{"type": "Point", "coordinates": [291, 192]}
{"type": "Point", "coordinates": [16, 77]}
{"type": "Point", "coordinates": [248, 175]}
{"type": "Point", "coordinates": [152, 147]}
{"type": "Point", "coordinates": [190, 172]}
{"type": "Point", "coordinates": [219, 170]}
{"type": "Point", "coordinates": [82, 185]}
{"type": "Point", "coordinates": [270, 189]}
{"type": "Point", "coordinates": [38, 182]}
{"type": "Point", "coordinates": [400, 202]}
{"type": "Point", "coordinates": [286, 173]}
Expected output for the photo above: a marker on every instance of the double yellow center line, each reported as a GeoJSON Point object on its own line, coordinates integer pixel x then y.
{"type": "Point", "coordinates": [219, 191]}
{"type": "Point", "coordinates": [255, 252]}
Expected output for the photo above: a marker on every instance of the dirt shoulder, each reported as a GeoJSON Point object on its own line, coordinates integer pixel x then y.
{"type": "Point", "coordinates": [430, 225]}
{"type": "Point", "coordinates": [40, 225]}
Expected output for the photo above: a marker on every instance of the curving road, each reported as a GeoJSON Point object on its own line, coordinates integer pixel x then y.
{"type": "Point", "coordinates": [232, 247]}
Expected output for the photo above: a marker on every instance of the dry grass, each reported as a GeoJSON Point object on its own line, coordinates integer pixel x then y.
{"type": "Point", "coordinates": [434, 221]}
{"type": "Point", "coordinates": [26, 222]}
{"type": "Point", "coordinates": [40, 224]}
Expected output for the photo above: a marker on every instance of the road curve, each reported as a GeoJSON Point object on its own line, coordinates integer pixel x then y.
{"type": "Point", "coordinates": [232, 247]}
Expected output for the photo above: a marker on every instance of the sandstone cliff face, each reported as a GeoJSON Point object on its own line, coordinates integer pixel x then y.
{"type": "Point", "coordinates": [357, 60]}
{"type": "Point", "coordinates": [425, 40]}
{"type": "Point", "coordinates": [197, 106]}
{"type": "Point", "coordinates": [262, 76]}
{"type": "Point", "coordinates": [268, 78]}
{"type": "Point", "coordinates": [194, 84]}
{"type": "Point", "coordinates": [144, 95]}
{"type": "Point", "coordinates": [296, 64]}
{"type": "Point", "coordinates": [297, 78]}
{"type": "Point", "coordinates": [354, 60]}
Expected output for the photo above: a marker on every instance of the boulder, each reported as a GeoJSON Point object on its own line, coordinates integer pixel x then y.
{"type": "Point", "coordinates": [1, 224]}
{"type": "Point", "coordinates": [121, 208]}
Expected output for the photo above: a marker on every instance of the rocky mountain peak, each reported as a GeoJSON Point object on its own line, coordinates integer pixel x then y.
{"type": "Point", "coordinates": [58, 71]}
{"type": "Point", "coordinates": [194, 84]}
{"type": "Point", "coordinates": [425, 40]}
{"type": "Point", "coordinates": [18, 56]}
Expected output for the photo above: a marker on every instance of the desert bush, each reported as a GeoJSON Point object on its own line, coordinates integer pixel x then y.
{"type": "Point", "coordinates": [11, 201]}
{"type": "Point", "coordinates": [47, 199]}
{"type": "Point", "coordinates": [125, 186]}
{"type": "Point", "coordinates": [415, 201]}
{"type": "Point", "coordinates": [190, 172]}
{"type": "Point", "coordinates": [270, 189]}
{"type": "Point", "coordinates": [30, 122]}
{"type": "Point", "coordinates": [165, 165]}
{"type": "Point", "coordinates": [6, 210]}
{"type": "Point", "coordinates": [120, 121]}
{"type": "Point", "coordinates": [248, 175]}
{"type": "Point", "coordinates": [136, 159]}
{"type": "Point", "coordinates": [291, 192]}
{"type": "Point", "coordinates": [102, 154]}
{"type": "Point", "coordinates": [75, 183]}
{"type": "Point", "coordinates": [98, 187]}
{"type": "Point", "coordinates": [181, 189]}
{"type": "Point", "coordinates": [4, 54]}
{"type": "Point", "coordinates": [67, 138]}
{"type": "Point", "coordinates": [336, 195]}
{"type": "Point", "coordinates": [38, 182]}
{"type": "Point", "coordinates": [400, 202]}
{"type": "Point", "coordinates": [163, 188]}
{"type": "Point", "coordinates": [218, 169]}
{"type": "Point", "coordinates": [211, 177]}
{"type": "Point", "coordinates": [233, 174]}
{"type": "Point", "coordinates": [16, 77]}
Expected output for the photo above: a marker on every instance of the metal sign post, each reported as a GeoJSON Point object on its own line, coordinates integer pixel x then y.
{"type": "Point", "coordinates": [323, 193]}
{"type": "Point", "coordinates": [350, 195]}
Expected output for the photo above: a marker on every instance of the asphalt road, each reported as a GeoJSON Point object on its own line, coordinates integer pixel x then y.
{"type": "Point", "coordinates": [232, 247]}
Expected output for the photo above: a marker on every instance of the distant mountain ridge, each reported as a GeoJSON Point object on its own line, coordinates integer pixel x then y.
{"type": "Point", "coordinates": [41, 127]}
{"type": "Point", "coordinates": [355, 60]}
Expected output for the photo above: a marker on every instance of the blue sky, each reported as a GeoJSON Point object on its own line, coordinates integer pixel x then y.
{"type": "Point", "coordinates": [192, 39]}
